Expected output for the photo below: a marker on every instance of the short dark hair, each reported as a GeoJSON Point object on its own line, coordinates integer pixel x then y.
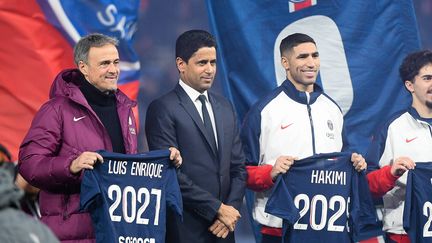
{"type": "Point", "coordinates": [412, 64]}
{"type": "Point", "coordinates": [190, 41]}
{"type": "Point", "coordinates": [82, 48]}
{"type": "Point", "coordinates": [293, 40]}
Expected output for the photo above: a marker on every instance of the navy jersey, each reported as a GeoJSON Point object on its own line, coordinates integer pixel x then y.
{"type": "Point", "coordinates": [323, 199]}
{"type": "Point", "coordinates": [417, 215]}
{"type": "Point", "coordinates": [127, 196]}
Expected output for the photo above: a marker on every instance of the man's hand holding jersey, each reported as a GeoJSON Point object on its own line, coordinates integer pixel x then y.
{"type": "Point", "coordinates": [281, 166]}
{"type": "Point", "coordinates": [175, 157]}
{"type": "Point", "coordinates": [400, 165]}
{"type": "Point", "coordinates": [358, 161]}
{"type": "Point", "coordinates": [86, 160]}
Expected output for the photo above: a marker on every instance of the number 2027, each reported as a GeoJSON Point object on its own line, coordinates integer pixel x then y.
{"type": "Point", "coordinates": [130, 196]}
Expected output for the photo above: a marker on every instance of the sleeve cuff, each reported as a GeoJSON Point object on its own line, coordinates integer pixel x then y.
{"type": "Point", "coordinates": [259, 178]}
{"type": "Point", "coordinates": [388, 175]}
{"type": "Point", "coordinates": [381, 181]}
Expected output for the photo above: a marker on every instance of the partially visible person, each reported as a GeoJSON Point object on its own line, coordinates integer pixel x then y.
{"type": "Point", "coordinates": [29, 202]}
{"type": "Point", "coordinates": [5, 155]}
{"type": "Point", "coordinates": [86, 112]}
{"type": "Point", "coordinates": [296, 120]}
{"type": "Point", "coordinates": [16, 226]}
{"type": "Point", "coordinates": [203, 125]}
{"type": "Point", "coordinates": [404, 140]}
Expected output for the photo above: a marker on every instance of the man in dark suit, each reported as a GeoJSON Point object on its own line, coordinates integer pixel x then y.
{"type": "Point", "coordinates": [203, 126]}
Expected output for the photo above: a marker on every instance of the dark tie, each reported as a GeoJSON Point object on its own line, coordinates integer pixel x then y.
{"type": "Point", "coordinates": [207, 121]}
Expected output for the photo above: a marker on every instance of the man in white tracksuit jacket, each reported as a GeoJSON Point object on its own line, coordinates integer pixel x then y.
{"type": "Point", "coordinates": [404, 139]}
{"type": "Point", "coordinates": [294, 121]}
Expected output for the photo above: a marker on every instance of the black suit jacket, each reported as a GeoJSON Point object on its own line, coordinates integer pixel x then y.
{"type": "Point", "coordinates": [207, 176]}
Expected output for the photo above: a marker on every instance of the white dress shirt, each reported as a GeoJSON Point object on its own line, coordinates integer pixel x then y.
{"type": "Point", "coordinates": [193, 95]}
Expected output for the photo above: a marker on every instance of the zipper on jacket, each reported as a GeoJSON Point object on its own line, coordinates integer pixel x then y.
{"type": "Point", "coordinates": [65, 212]}
{"type": "Point", "coordinates": [311, 122]}
{"type": "Point", "coordinates": [430, 130]}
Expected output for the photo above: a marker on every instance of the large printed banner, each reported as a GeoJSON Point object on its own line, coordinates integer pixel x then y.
{"type": "Point", "coordinates": [361, 45]}
{"type": "Point", "coordinates": [37, 43]}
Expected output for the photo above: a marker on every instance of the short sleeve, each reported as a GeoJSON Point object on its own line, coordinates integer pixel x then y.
{"type": "Point", "coordinates": [89, 190]}
{"type": "Point", "coordinates": [408, 199]}
{"type": "Point", "coordinates": [281, 203]}
{"type": "Point", "coordinates": [363, 214]}
{"type": "Point", "coordinates": [173, 194]}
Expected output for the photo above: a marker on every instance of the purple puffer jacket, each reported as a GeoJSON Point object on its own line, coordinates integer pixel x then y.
{"type": "Point", "coordinates": [62, 129]}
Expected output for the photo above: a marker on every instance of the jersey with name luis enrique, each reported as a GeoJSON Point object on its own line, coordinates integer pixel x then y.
{"type": "Point", "coordinates": [323, 199]}
{"type": "Point", "coordinates": [417, 216]}
{"type": "Point", "coordinates": [127, 195]}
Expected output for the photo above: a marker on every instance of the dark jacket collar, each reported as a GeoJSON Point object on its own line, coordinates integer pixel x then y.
{"type": "Point", "coordinates": [413, 112]}
{"type": "Point", "coordinates": [95, 96]}
{"type": "Point", "coordinates": [301, 96]}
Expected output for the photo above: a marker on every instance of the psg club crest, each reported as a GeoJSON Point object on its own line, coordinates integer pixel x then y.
{"type": "Point", "coordinates": [330, 125]}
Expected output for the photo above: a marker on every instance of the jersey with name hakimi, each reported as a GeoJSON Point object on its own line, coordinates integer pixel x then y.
{"type": "Point", "coordinates": [127, 196]}
{"type": "Point", "coordinates": [323, 199]}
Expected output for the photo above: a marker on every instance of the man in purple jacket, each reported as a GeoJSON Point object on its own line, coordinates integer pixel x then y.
{"type": "Point", "coordinates": [86, 112]}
